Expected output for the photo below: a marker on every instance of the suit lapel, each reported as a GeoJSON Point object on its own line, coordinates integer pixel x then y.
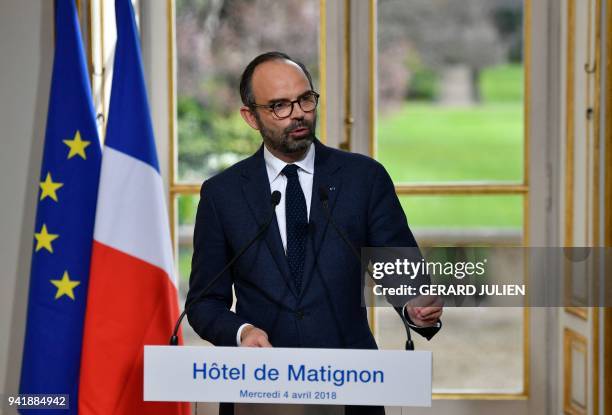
{"type": "Point", "coordinates": [324, 176]}
{"type": "Point", "coordinates": [256, 188]}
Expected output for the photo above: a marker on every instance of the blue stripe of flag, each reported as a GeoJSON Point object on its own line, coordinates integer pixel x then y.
{"type": "Point", "coordinates": [129, 128]}
{"type": "Point", "coordinates": [52, 347]}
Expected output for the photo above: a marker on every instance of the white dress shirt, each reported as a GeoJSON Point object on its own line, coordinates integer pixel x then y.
{"type": "Point", "coordinates": [278, 181]}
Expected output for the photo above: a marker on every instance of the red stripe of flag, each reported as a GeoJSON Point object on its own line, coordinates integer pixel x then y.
{"type": "Point", "coordinates": [131, 304]}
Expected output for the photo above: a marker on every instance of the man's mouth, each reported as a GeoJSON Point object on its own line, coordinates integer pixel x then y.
{"type": "Point", "coordinates": [299, 132]}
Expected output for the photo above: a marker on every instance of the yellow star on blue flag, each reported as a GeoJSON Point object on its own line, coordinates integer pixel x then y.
{"type": "Point", "coordinates": [77, 146]}
{"type": "Point", "coordinates": [49, 188]}
{"type": "Point", "coordinates": [65, 286]}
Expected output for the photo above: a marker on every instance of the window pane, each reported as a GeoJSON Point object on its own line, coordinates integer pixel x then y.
{"type": "Point", "coordinates": [450, 90]}
{"type": "Point", "coordinates": [464, 212]}
{"type": "Point", "coordinates": [479, 350]}
{"type": "Point", "coordinates": [186, 208]}
{"type": "Point", "coordinates": [421, 142]}
{"type": "Point", "coordinates": [215, 41]}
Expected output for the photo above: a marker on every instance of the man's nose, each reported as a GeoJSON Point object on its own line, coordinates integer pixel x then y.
{"type": "Point", "coordinates": [297, 113]}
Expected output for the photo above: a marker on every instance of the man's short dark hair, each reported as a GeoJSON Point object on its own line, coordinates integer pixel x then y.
{"type": "Point", "coordinates": [246, 87]}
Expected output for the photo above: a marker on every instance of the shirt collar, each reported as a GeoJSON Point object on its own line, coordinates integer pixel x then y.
{"type": "Point", "coordinates": [275, 165]}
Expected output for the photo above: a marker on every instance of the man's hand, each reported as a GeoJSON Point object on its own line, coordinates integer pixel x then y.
{"type": "Point", "coordinates": [251, 336]}
{"type": "Point", "coordinates": [427, 313]}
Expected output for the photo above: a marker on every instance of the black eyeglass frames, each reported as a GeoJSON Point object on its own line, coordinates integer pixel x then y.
{"type": "Point", "coordinates": [284, 108]}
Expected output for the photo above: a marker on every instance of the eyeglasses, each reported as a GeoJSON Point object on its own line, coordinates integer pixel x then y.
{"type": "Point", "coordinates": [284, 108]}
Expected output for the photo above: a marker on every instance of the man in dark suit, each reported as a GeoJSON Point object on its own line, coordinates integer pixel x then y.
{"type": "Point", "coordinates": [300, 284]}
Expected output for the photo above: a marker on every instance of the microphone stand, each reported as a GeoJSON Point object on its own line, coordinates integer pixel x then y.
{"type": "Point", "coordinates": [324, 198]}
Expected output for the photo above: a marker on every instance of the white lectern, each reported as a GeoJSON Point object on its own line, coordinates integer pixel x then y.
{"type": "Point", "coordinates": [282, 375]}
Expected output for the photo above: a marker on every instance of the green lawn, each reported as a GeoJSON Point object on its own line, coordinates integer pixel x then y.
{"type": "Point", "coordinates": [439, 211]}
{"type": "Point", "coordinates": [184, 263]}
{"type": "Point", "coordinates": [503, 83]}
{"type": "Point", "coordinates": [426, 143]}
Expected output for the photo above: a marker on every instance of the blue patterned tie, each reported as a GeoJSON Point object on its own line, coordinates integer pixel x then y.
{"type": "Point", "coordinates": [296, 223]}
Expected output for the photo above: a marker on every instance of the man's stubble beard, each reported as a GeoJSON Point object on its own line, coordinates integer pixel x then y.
{"type": "Point", "coordinates": [284, 143]}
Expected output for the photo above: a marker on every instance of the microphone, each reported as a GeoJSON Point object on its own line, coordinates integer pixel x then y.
{"type": "Point", "coordinates": [324, 198]}
{"type": "Point", "coordinates": [274, 201]}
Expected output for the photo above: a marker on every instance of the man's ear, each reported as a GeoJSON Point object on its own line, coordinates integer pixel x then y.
{"type": "Point", "coordinates": [249, 117]}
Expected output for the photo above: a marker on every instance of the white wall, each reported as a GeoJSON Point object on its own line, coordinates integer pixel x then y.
{"type": "Point", "coordinates": [26, 43]}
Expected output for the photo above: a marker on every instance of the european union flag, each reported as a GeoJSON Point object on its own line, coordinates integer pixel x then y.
{"type": "Point", "coordinates": [63, 233]}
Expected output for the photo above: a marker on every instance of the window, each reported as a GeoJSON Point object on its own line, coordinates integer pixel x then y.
{"type": "Point", "coordinates": [450, 131]}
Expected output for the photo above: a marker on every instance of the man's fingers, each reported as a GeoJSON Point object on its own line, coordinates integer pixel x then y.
{"type": "Point", "coordinates": [254, 337]}
{"type": "Point", "coordinates": [426, 301]}
{"type": "Point", "coordinates": [432, 317]}
{"type": "Point", "coordinates": [259, 341]}
{"type": "Point", "coordinates": [429, 312]}
{"type": "Point", "coordinates": [250, 343]}
{"type": "Point", "coordinates": [263, 342]}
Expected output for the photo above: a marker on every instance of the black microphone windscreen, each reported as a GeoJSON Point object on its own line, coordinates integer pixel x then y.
{"type": "Point", "coordinates": [276, 197]}
{"type": "Point", "coordinates": [323, 194]}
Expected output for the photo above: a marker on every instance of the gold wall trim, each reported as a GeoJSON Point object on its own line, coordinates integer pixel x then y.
{"type": "Point", "coordinates": [372, 149]}
{"type": "Point", "coordinates": [592, 68]}
{"type": "Point", "coordinates": [372, 103]}
{"type": "Point", "coordinates": [569, 125]}
{"type": "Point", "coordinates": [580, 312]}
{"type": "Point", "coordinates": [527, 49]}
{"type": "Point", "coordinates": [348, 115]}
{"type": "Point", "coordinates": [595, 351]}
{"type": "Point", "coordinates": [461, 189]}
{"type": "Point", "coordinates": [323, 68]}
{"type": "Point", "coordinates": [527, 53]}
{"type": "Point", "coordinates": [480, 396]}
{"type": "Point", "coordinates": [596, 221]}
{"type": "Point", "coordinates": [527, 56]}
{"type": "Point", "coordinates": [589, 69]}
{"type": "Point", "coordinates": [172, 142]}
{"type": "Point", "coordinates": [607, 367]}
{"type": "Point", "coordinates": [597, 130]}
{"type": "Point", "coordinates": [608, 134]}
{"type": "Point", "coordinates": [186, 188]}
{"type": "Point", "coordinates": [526, 350]}
{"type": "Point", "coordinates": [573, 340]}
{"type": "Point", "coordinates": [90, 61]}
{"type": "Point", "coordinates": [576, 304]}
{"type": "Point", "coordinates": [607, 352]}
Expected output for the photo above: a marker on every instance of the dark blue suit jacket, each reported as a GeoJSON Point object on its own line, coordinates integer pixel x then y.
{"type": "Point", "coordinates": [328, 312]}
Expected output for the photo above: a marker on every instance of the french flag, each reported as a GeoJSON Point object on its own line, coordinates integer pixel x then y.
{"type": "Point", "coordinates": [132, 298]}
